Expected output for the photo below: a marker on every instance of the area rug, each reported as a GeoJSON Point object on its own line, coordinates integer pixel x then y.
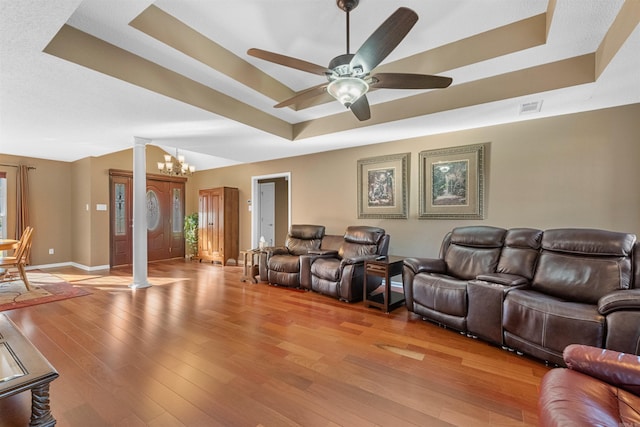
{"type": "Point", "coordinates": [45, 288]}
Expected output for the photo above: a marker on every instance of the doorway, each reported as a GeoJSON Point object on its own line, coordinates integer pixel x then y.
{"type": "Point", "coordinates": [271, 198]}
{"type": "Point", "coordinates": [165, 217]}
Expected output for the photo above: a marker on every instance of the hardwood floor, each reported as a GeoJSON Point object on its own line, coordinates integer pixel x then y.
{"type": "Point", "coordinates": [201, 348]}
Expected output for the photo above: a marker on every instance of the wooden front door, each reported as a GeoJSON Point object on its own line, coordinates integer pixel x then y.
{"type": "Point", "coordinates": [165, 218]}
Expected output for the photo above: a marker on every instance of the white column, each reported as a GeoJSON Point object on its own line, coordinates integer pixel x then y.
{"type": "Point", "coordinates": [140, 214]}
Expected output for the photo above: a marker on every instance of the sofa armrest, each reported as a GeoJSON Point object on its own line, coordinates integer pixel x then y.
{"type": "Point", "coordinates": [503, 279]}
{"type": "Point", "coordinates": [426, 265]}
{"type": "Point", "coordinates": [618, 369]}
{"type": "Point", "coordinates": [628, 299]}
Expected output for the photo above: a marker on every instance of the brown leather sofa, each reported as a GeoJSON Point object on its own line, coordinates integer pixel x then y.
{"type": "Point", "coordinates": [337, 269]}
{"type": "Point", "coordinates": [599, 388]}
{"type": "Point", "coordinates": [281, 265]}
{"type": "Point", "coordinates": [531, 291]}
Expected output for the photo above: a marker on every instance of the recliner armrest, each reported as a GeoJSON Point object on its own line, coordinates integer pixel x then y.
{"type": "Point", "coordinates": [426, 265]}
{"type": "Point", "coordinates": [503, 279]}
{"type": "Point", "coordinates": [626, 299]}
{"type": "Point", "coordinates": [618, 369]}
{"type": "Point", "coordinates": [276, 250]}
{"type": "Point", "coordinates": [322, 252]}
{"type": "Point", "coordinates": [358, 260]}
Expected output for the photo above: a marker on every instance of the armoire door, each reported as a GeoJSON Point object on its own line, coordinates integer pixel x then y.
{"type": "Point", "coordinates": [209, 237]}
{"type": "Point", "coordinates": [218, 232]}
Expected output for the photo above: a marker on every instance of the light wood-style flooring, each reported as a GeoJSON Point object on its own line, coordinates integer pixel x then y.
{"type": "Point", "coordinates": [202, 348]}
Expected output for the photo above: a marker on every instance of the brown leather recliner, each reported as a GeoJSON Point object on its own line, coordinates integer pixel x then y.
{"type": "Point", "coordinates": [599, 388]}
{"type": "Point", "coordinates": [283, 263]}
{"type": "Point", "coordinates": [436, 288]}
{"type": "Point", "coordinates": [341, 274]}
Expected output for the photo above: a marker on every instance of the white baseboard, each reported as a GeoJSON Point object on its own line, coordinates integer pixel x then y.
{"type": "Point", "coordinates": [68, 264]}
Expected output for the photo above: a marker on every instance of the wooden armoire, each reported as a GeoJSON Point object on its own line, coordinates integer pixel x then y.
{"type": "Point", "coordinates": [218, 232]}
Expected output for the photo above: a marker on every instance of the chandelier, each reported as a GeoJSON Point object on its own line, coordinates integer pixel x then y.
{"type": "Point", "coordinates": [175, 165]}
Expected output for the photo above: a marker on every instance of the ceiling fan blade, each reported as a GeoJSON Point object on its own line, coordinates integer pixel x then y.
{"type": "Point", "coordinates": [361, 108]}
{"type": "Point", "coordinates": [288, 61]}
{"type": "Point", "coordinates": [304, 95]}
{"type": "Point", "coordinates": [409, 81]}
{"type": "Point", "coordinates": [383, 40]}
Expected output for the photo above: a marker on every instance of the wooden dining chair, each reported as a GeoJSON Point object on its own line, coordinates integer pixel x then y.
{"type": "Point", "coordinates": [20, 257]}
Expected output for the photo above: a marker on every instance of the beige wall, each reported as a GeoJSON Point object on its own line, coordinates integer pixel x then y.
{"type": "Point", "coordinates": [577, 170]}
{"type": "Point", "coordinates": [569, 171]}
{"type": "Point", "coordinates": [50, 196]}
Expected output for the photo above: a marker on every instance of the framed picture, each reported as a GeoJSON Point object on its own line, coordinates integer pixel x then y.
{"type": "Point", "coordinates": [452, 182]}
{"type": "Point", "coordinates": [383, 186]}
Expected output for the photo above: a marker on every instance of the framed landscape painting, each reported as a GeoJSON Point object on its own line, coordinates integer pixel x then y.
{"type": "Point", "coordinates": [383, 186]}
{"type": "Point", "coordinates": [452, 182]}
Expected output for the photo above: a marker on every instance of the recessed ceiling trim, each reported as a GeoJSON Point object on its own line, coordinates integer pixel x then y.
{"type": "Point", "coordinates": [158, 24]}
{"type": "Point", "coordinates": [510, 38]}
{"type": "Point", "coordinates": [88, 51]}
{"type": "Point", "coordinates": [556, 75]}
{"type": "Point", "coordinates": [626, 21]}
{"type": "Point", "coordinates": [551, 8]}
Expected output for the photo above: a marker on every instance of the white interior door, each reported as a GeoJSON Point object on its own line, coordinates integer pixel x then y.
{"type": "Point", "coordinates": [266, 226]}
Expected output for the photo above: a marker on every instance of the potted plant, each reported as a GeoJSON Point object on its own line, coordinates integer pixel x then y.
{"type": "Point", "coordinates": [191, 234]}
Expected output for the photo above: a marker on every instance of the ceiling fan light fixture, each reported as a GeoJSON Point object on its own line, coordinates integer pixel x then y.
{"type": "Point", "coordinates": [347, 90]}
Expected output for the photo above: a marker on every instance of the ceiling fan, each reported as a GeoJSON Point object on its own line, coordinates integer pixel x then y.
{"type": "Point", "coordinates": [349, 76]}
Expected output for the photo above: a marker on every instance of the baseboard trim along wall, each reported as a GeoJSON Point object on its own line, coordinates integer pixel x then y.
{"type": "Point", "coordinates": [68, 264]}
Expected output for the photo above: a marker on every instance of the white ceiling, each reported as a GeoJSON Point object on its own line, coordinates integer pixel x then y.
{"type": "Point", "coordinates": [55, 109]}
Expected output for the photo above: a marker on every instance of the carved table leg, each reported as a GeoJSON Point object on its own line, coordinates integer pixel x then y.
{"type": "Point", "coordinates": [40, 410]}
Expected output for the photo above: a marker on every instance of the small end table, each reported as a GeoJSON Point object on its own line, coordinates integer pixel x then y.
{"type": "Point", "coordinates": [251, 259]}
{"type": "Point", "coordinates": [386, 268]}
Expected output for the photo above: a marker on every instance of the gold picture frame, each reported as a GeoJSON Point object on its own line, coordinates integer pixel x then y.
{"type": "Point", "coordinates": [383, 187]}
{"type": "Point", "coordinates": [452, 182]}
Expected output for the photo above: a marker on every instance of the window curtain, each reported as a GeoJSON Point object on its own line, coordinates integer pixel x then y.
{"type": "Point", "coordinates": [22, 202]}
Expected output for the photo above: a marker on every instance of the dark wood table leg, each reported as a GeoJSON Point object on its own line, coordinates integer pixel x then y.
{"type": "Point", "coordinates": [40, 410]}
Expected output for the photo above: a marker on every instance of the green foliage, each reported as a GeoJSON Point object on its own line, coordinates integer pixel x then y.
{"type": "Point", "coordinates": [191, 232]}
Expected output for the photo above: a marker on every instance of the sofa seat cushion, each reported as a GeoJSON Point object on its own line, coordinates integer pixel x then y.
{"type": "Point", "coordinates": [327, 269]}
{"type": "Point", "coordinates": [284, 263]}
{"type": "Point", "coordinates": [571, 398]}
{"type": "Point", "coordinates": [441, 293]}
{"type": "Point", "coordinates": [551, 322]}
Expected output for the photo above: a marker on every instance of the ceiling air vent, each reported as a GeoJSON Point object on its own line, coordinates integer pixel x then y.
{"type": "Point", "coordinates": [530, 107]}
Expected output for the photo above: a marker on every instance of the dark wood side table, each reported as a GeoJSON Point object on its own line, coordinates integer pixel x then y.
{"type": "Point", "coordinates": [25, 368]}
{"type": "Point", "coordinates": [386, 268]}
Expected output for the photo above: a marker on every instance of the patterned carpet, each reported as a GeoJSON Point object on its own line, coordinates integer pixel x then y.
{"type": "Point", "coordinates": [45, 288]}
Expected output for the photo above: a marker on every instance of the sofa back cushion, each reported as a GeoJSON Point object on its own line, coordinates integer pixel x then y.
{"type": "Point", "coordinates": [360, 241]}
{"type": "Point", "coordinates": [302, 238]}
{"type": "Point", "coordinates": [520, 252]}
{"type": "Point", "coordinates": [473, 250]}
{"type": "Point", "coordinates": [582, 265]}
